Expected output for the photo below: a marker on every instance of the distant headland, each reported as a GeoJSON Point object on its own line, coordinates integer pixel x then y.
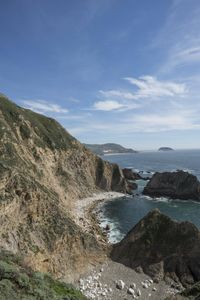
{"type": "Point", "coordinates": [109, 148]}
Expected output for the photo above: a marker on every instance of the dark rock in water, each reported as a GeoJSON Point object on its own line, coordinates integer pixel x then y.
{"type": "Point", "coordinates": [107, 228]}
{"type": "Point", "coordinates": [130, 175]}
{"type": "Point", "coordinates": [163, 248]}
{"type": "Point", "coordinates": [192, 293]}
{"type": "Point", "coordinates": [165, 149]}
{"type": "Point", "coordinates": [131, 187]}
{"type": "Point", "coordinates": [176, 185]}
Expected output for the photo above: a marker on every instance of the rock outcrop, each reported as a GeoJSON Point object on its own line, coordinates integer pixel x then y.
{"type": "Point", "coordinates": [43, 170]}
{"type": "Point", "coordinates": [130, 175]}
{"type": "Point", "coordinates": [176, 185]}
{"type": "Point", "coordinates": [162, 248]}
{"type": "Point", "coordinates": [191, 293]}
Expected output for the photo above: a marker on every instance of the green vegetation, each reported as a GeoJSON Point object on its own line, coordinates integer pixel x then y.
{"type": "Point", "coordinates": [18, 282]}
{"type": "Point", "coordinates": [46, 131]}
{"type": "Point", "coordinates": [108, 148]}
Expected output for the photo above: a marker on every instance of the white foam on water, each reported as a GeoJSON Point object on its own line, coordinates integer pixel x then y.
{"type": "Point", "coordinates": [115, 236]}
{"type": "Point", "coordinates": [162, 199]}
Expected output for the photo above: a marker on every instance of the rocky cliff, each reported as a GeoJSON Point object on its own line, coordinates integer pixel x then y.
{"type": "Point", "coordinates": [162, 248]}
{"type": "Point", "coordinates": [176, 185]}
{"type": "Point", "coordinates": [43, 170]}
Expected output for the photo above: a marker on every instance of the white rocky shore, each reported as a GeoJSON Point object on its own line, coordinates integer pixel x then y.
{"type": "Point", "coordinates": [114, 281]}
{"type": "Point", "coordinates": [80, 211]}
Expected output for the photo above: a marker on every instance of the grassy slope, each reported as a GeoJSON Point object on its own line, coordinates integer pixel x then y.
{"type": "Point", "coordinates": [20, 283]}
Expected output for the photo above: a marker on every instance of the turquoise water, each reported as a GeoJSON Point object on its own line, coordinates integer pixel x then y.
{"type": "Point", "coordinates": [123, 214]}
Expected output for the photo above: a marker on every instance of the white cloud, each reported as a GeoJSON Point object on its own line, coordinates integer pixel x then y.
{"type": "Point", "coordinates": [107, 105]}
{"type": "Point", "coordinates": [42, 106]}
{"type": "Point", "coordinates": [149, 86]}
{"type": "Point", "coordinates": [183, 56]}
{"type": "Point", "coordinates": [163, 122]}
{"type": "Point", "coordinates": [179, 38]}
{"type": "Point", "coordinates": [117, 93]}
{"type": "Point", "coordinates": [144, 123]}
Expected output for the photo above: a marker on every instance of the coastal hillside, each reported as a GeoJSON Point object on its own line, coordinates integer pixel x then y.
{"type": "Point", "coordinates": [19, 282]}
{"type": "Point", "coordinates": [43, 171]}
{"type": "Point", "coordinates": [109, 148]}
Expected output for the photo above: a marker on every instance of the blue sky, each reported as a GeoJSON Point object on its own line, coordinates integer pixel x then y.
{"type": "Point", "coordinates": [123, 71]}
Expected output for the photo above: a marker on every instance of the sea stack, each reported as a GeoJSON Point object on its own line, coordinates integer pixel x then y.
{"type": "Point", "coordinates": [176, 185]}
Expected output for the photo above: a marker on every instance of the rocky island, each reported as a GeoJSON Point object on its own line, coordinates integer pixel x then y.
{"type": "Point", "coordinates": [165, 149]}
{"type": "Point", "coordinates": [109, 148]}
{"type": "Point", "coordinates": [176, 185]}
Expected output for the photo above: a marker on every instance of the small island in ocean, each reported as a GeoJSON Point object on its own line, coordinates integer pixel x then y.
{"type": "Point", "coordinates": [109, 148]}
{"type": "Point", "coordinates": [165, 149]}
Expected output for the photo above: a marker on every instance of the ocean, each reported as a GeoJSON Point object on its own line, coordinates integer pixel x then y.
{"type": "Point", "coordinates": [123, 214]}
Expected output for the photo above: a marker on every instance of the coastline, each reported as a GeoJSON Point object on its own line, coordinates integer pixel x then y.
{"type": "Point", "coordinates": [99, 282]}
{"type": "Point", "coordinates": [85, 211]}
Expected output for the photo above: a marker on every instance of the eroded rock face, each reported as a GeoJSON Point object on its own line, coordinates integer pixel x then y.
{"type": "Point", "coordinates": [192, 293]}
{"type": "Point", "coordinates": [43, 170]}
{"type": "Point", "coordinates": [163, 248]}
{"type": "Point", "coordinates": [176, 185]}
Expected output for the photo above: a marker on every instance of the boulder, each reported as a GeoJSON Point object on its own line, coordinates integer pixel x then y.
{"type": "Point", "coordinates": [120, 285]}
{"type": "Point", "coordinates": [131, 291]}
{"type": "Point", "coordinates": [176, 185]}
{"type": "Point", "coordinates": [163, 248]}
{"type": "Point", "coordinates": [130, 175]}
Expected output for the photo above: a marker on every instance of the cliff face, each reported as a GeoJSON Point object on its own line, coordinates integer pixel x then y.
{"type": "Point", "coordinates": [43, 170]}
{"type": "Point", "coordinates": [176, 185]}
{"type": "Point", "coordinates": [163, 248]}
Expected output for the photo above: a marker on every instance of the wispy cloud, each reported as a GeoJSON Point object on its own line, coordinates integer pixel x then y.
{"type": "Point", "coordinates": [143, 123]}
{"type": "Point", "coordinates": [43, 106]}
{"type": "Point", "coordinates": [108, 105]}
{"type": "Point", "coordinates": [118, 94]}
{"type": "Point", "coordinates": [179, 38]}
{"type": "Point", "coordinates": [149, 86]}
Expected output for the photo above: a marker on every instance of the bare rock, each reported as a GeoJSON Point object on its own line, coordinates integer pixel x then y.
{"type": "Point", "coordinates": [176, 185]}
{"type": "Point", "coordinates": [163, 248]}
{"type": "Point", "coordinates": [120, 285]}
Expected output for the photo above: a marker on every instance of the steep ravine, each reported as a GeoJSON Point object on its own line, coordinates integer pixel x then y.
{"type": "Point", "coordinates": [43, 170]}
